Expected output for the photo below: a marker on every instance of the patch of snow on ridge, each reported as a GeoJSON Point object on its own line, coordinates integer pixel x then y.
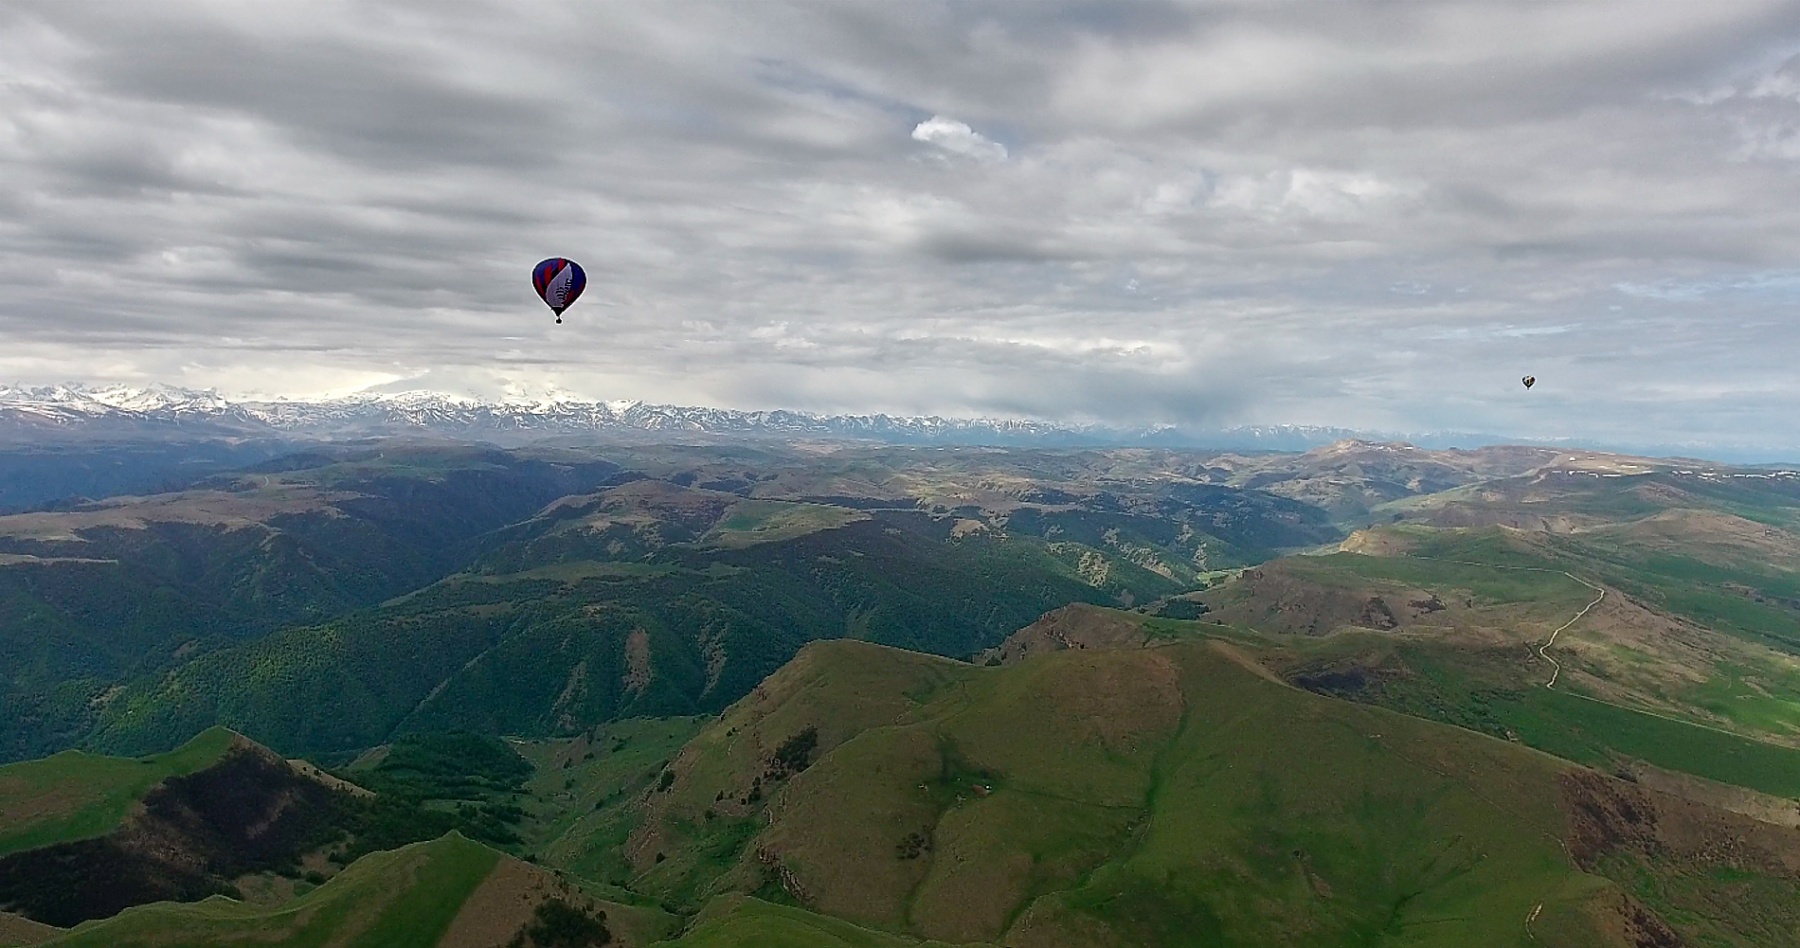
{"type": "Point", "coordinates": [116, 410]}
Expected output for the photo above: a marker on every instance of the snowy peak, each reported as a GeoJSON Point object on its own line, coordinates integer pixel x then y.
{"type": "Point", "coordinates": [116, 410]}
{"type": "Point", "coordinates": [113, 398]}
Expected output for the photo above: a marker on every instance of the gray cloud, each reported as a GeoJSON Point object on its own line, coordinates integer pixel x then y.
{"type": "Point", "coordinates": [1355, 214]}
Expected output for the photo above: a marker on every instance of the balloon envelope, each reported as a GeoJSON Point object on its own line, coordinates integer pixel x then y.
{"type": "Point", "coordinates": [1529, 380]}
{"type": "Point", "coordinates": [559, 282]}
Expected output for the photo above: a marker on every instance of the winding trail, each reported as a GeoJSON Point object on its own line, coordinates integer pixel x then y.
{"type": "Point", "coordinates": [1542, 650]}
{"type": "Point", "coordinates": [1556, 667]}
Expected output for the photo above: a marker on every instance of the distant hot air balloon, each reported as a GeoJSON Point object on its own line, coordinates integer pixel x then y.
{"type": "Point", "coordinates": [1529, 380]}
{"type": "Point", "coordinates": [559, 282]}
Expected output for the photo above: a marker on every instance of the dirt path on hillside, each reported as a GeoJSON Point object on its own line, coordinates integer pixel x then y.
{"type": "Point", "coordinates": [1555, 666]}
{"type": "Point", "coordinates": [1239, 657]}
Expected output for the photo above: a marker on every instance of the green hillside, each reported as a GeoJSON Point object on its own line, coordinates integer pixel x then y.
{"type": "Point", "coordinates": [739, 922]}
{"type": "Point", "coordinates": [568, 822]}
{"type": "Point", "coordinates": [247, 599]}
{"type": "Point", "coordinates": [1174, 794]}
{"type": "Point", "coordinates": [726, 704]}
{"type": "Point", "coordinates": [1171, 795]}
{"type": "Point", "coordinates": [1483, 691]}
{"type": "Point", "coordinates": [1447, 622]}
{"type": "Point", "coordinates": [75, 795]}
{"type": "Point", "coordinates": [560, 644]}
{"type": "Point", "coordinates": [84, 837]}
{"type": "Point", "coordinates": [399, 899]}
{"type": "Point", "coordinates": [127, 588]}
{"type": "Point", "coordinates": [1720, 549]}
{"type": "Point", "coordinates": [445, 892]}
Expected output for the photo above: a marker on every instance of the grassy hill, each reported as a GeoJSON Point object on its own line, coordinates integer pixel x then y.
{"type": "Point", "coordinates": [75, 795]}
{"type": "Point", "coordinates": [1168, 790]}
{"type": "Point", "coordinates": [83, 837]}
{"type": "Point", "coordinates": [572, 819]}
{"type": "Point", "coordinates": [448, 892]}
{"type": "Point", "coordinates": [733, 921]}
{"type": "Point", "coordinates": [1166, 795]}
{"type": "Point", "coordinates": [1698, 611]}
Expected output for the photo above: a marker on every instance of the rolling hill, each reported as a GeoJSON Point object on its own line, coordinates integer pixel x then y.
{"type": "Point", "coordinates": [1695, 611]}
{"type": "Point", "coordinates": [83, 837]}
{"type": "Point", "coordinates": [449, 892]}
{"type": "Point", "coordinates": [857, 695]}
{"type": "Point", "coordinates": [1131, 780]}
{"type": "Point", "coordinates": [222, 842]}
{"type": "Point", "coordinates": [539, 592]}
{"type": "Point", "coordinates": [1173, 794]}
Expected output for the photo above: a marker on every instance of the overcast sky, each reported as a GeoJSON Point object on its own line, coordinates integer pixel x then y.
{"type": "Point", "coordinates": [1369, 215]}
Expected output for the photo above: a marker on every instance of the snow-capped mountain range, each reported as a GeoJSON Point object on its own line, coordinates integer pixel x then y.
{"type": "Point", "coordinates": [114, 411]}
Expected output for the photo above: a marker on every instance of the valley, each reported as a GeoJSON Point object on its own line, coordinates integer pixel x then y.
{"type": "Point", "coordinates": [823, 693]}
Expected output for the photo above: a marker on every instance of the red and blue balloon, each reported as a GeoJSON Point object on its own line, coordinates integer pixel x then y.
{"type": "Point", "coordinates": [559, 282]}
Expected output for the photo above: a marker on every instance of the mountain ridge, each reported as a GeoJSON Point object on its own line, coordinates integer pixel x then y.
{"type": "Point", "coordinates": [85, 412]}
{"type": "Point", "coordinates": [113, 410]}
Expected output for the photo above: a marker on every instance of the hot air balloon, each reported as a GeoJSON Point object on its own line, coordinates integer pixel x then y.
{"type": "Point", "coordinates": [559, 282]}
{"type": "Point", "coordinates": [1528, 380]}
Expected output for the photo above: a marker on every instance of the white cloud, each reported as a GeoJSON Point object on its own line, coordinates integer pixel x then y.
{"type": "Point", "coordinates": [958, 139]}
{"type": "Point", "coordinates": [341, 195]}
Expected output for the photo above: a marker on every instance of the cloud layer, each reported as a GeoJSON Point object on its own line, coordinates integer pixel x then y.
{"type": "Point", "coordinates": [1365, 215]}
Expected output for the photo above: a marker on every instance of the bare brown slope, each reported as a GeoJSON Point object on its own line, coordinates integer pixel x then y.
{"type": "Point", "coordinates": [1695, 860]}
{"type": "Point", "coordinates": [1077, 626]}
{"type": "Point", "coordinates": [17, 930]}
{"type": "Point", "coordinates": [1349, 478]}
{"type": "Point", "coordinates": [507, 902]}
{"type": "Point", "coordinates": [213, 508]}
{"type": "Point", "coordinates": [1283, 597]}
